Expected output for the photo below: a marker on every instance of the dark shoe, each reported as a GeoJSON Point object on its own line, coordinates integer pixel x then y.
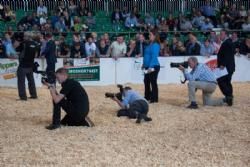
{"type": "Point", "coordinates": [229, 101]}
{"type": "Point", "coordinates": [139, 118]}
{"type": "Point", "coordinates": [52, 127]}
{"type": "Point", "coordinates": [33, 97]}
{"type": "Point", "coordinates": [193, 106]}
{"type": "Point", "coordinates": [147, 119]}
{"type": "Point", "coordinates": [23, 98]}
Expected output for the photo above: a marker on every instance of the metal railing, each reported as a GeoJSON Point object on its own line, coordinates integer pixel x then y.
{"type": "Point", "coordinates": [142, 5]}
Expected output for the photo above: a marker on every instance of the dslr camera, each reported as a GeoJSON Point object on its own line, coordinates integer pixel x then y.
{"type": "Point", "coordinates": [46, 77]}
{"type": "Point", "coordinates": [177, 65]}
{"type": "Point", "coordinates": [117, 95]}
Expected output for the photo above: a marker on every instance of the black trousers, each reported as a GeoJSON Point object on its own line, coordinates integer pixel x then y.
{"type": "Point", "coordinates": [139, 106]}
{"type": "Point", "coordinates": [225, 85]}
{"type": "Point", "coordinates": [151, 86]}
{"type": "Point", "coordinates": [21, 74]}
{"type": "Point", "coordinates": [72, 117]}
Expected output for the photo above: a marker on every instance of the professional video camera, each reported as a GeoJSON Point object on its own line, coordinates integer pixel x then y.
{"type": "Point", "coordinates": [177, 65]}
{"type": "Point", "coordinates": [117, 95]}
{"type": "Point", "coordinates": [46, 77]}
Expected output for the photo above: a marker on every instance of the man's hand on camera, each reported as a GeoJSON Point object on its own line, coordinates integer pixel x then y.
{"type": "Point", "coordinates": [181, 68]}
{"type": "Point", "coordinates": [115, 98]}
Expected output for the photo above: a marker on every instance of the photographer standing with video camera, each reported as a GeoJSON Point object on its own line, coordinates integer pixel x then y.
{"type": "Point", "coordinates": [72, 98]}
{"type": "Point", "coordinates": [151, 67]}
{"type": "Point", "coordinates": [133, 105]}
{"type": "Point", "coordinates": [201, 77]}
{"type": "Point", "coordinates": [25, 69]}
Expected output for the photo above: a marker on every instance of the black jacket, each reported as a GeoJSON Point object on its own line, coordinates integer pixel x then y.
{"type": "Point", "coordinates": [225, 56]}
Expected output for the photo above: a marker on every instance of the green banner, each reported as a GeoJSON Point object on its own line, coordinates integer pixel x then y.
{"type": "Point", "coordinates": [87, 73]}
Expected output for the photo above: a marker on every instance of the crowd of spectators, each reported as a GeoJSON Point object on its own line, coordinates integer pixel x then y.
{"type": "Point", "coordinates": [78, 21]}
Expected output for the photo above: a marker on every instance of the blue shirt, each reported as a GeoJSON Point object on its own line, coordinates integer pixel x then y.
{"type": "Point", "coordinates": [130, 96]}
{"type": "Point", "coordinates": [207, 50]}
{"type": "Point", "coordinates": [151, 53]}
{"type": "Point", "coordinates": [208, 10]}
{"type": "Point", "coordinates": [200, 73]}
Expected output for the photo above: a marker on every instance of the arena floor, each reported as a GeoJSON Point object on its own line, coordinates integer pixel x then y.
{"type": "Point", "coordinates": [209, 136]}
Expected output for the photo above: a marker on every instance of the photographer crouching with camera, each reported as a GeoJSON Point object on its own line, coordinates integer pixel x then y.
{"type": "Point", "coordinates": [200, 77]}
{"type": "Point", "coordinates": [132, 104]}
{"type": "Point", "coordinates": [72, 98]}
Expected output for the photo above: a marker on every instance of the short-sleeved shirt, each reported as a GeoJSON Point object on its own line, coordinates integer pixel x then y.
{"type": "Point", "coordinates": [76, 95]}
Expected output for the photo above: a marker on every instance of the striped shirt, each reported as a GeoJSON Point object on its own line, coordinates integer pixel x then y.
{"type": "Point", "coordinates": [200, 73]}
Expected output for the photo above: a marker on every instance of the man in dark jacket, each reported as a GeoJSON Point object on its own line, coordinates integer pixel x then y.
{"type": "Point", "coordinates": [25, 68]}
{"type": "Point", "coordinates": [225, 59]}
{"type": "Point", "coordinates": [50, 55]}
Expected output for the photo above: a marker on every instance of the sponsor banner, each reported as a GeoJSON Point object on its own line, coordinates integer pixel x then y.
{"type": "Point", "coordinates": [83, 69]}
{"type": "Point", "coordinates": [8, 68]}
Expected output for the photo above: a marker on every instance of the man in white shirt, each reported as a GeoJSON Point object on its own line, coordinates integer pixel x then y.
{"type": "Point", "coordinates": [41, 9]}
{"type": "Point", "coordinates": [118, 48]}
{"type": "Point", "coordinates": [90, 47]}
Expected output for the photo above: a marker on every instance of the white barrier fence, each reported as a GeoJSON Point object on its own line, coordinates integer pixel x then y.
{"type": "Point", "coordinates": [126, 70]}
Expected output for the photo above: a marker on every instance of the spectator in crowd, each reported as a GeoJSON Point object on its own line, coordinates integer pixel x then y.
{"type": "Point", "coordinates": [61, 8]}
{"type": "Point", "coordinates": [8, 14]}
{"type": "Point", "coordinates": [67, 20]}
{"type": "Point", "coordinates": [245, 47]}
{"type": "Point", "coordinates": [136, 12]}
{"type": "Point", "coordinates": [2, 50]}
{"type": "Point", "coordinates": [225, 59]}
{"type": "Point", "coordinates": [192, 45]}
{"type": "Point", "coordinates": [212, 36]}
{"type": "Point", "coordinates": [103, 48]}
{"type": "Point", "coordinates": [60, 25]}
{"type": "Point", "coordinates": [2, 14]}
{"type": "Point", "coordinates": [171, 22]}
{"type": "Point", "coordinates": [217, 44]}
{"type": "Point", "coordinates": [90, 47]}
{"type": "Point", "coordinates": [185, 24]}
{"type": "Point", "coordinates": [41, 9]}
{"type": "Point", "coordinates": [209, 11]}
{"type": "Point", "coordinates": [164, 48]}
{"type": "Point", "coordinates": [64, 50]}
{"type": "Point", "coordinates": [77, 51]}
{"type": "Point", "coordinates": [158, 19]}
{"type": "Point", "coordinates": [125, 13]}
{"type": "Point", "coordinates": [116, 16]}
{"type": "Point", "coordinates": [106, 38]}
{"type": "Point", "coordinates": [151, 66]}
{"type": "Point", "coordinates": [149, 20]}
{"type": "Point", "coordinates": [140, 45]}
{"type": "Point", "coordinates": [177, 48]}
{"type": "Point", "coordinates": [72, 9]}
{"type": "Point", "coordinates": [232, 15]}
{"type": "Point", "coordinates": [198, 20]}
{"type": "Point", "coordinates": [131, 51]}
{"type": "Point", "coordinates": [163, 27]}
{"type": "Point", "coordinates": [206, 25]}
{"type": "Point", "coordinates": [118, 48]}
{"type": "Point", "coordinates": [246, 25]}
{"type": "Point", "coordinates": [242, 11]}
{"type": "Point", "coordinates": [207, 49]}
{"type": "Point", "coordinates": [10, 50]}
{"type": "Point", "coordinates": [90, 20]}
{"type": "Point", "coordinates": [131, 21]}
{"type": "Point", "coordinates": [201, 77]}
{"type": "Point", "coordinates": [236, 42]}
{"type": "Point", "coordinates": [83, 8]}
